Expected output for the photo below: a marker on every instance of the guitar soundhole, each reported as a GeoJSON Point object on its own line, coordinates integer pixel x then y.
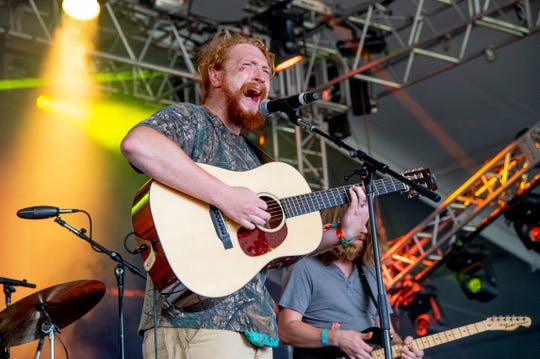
{"type": "Point", "coordinates": [276, 212]}
{"type": "Point", "coordinates": [264, 239]}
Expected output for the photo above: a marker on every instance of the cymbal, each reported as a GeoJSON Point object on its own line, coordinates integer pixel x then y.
{"type": "Point", "coordinates": [65, 303]}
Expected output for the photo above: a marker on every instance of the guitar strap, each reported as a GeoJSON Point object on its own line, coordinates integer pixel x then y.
{"type": "Point", "coordinates": [377, 335]}
{"type": "Point", "coordinates": [365, 283]}
{"type": "Point", "coordinates": [261, 155]}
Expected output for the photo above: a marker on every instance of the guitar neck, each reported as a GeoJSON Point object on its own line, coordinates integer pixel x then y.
{"type": "Point", "coordinates": [432, 340]}
{"type": "Point", "coordinates": [506, 323]}
{"type": "Point", "coordinates": [316, 201]}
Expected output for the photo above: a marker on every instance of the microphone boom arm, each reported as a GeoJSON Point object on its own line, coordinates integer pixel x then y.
{"type": "Point", "coordinates": [362, 156]}
{"type": "Point", "coordinates": [114, 255]}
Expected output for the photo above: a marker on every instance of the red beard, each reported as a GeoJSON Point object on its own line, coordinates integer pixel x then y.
{"type": "Point", "coordinates": [237, 115]}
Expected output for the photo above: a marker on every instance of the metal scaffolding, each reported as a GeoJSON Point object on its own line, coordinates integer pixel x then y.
{"type": "Point", "coordinates": [390, 44]}
{"type": "Point", "coordinates": [152, 51]}
{"type": "Point", "coordinates": [473, 206]}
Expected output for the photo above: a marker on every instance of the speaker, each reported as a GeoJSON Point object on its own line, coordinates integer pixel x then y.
{"type": "Point", "coordinates": [338, 126]}
{"type": "Point", "coordinates": [359, 97]}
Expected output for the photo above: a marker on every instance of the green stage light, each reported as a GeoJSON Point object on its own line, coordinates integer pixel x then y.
{"type": "Point", "coordinates": [474, 275]}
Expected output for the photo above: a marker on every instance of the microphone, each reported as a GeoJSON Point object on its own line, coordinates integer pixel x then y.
{"type": "Point", "coordinates": [14, 282]}
{"type": "Point", "coordinates": [40, 212]}
{"type": "Point", "coordinates": [266, 107]}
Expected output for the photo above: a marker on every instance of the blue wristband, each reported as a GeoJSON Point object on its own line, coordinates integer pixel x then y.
{"type": "Point", "coordinates": [324, 338]}
{"type": "Point", "coordinates": [344, 241]}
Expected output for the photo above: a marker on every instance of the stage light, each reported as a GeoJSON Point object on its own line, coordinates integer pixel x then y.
{"type": "Point", "coordinates": [478, 281]}
{"type": "Point", "coordinates": [473, 273]}
{"type": "Point", "coordinates": [284, 42]}
{"type": "Point", "coordinates": [524, 212]}
{"type": "Point", "coordinates": [173, 7]}
{"type": "Point", "coordinates": [283, 65]}
{"type": "Point", "coordinates": [83, 10]}
{"type": "Point", "coordinates": [257, 136]}
{"type": "Point", "coordinates": [420, 303]}
{"type": "Point", "coordinates": [60, 107]}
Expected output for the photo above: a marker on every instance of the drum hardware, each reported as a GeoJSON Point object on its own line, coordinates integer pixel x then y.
{"type": "Point", "coordinates": [9, 288]}
{"type": "Point", "coordinates": [45, 312]}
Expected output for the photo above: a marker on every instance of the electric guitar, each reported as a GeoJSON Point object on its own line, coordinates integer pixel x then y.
{"type": "Point", "coordinates": [189, 244]}
{"type": "Point", "coordinates": [504, 323]}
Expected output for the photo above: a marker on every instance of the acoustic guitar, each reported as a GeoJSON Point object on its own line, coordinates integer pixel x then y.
{"type": "Point", "coordinates": [191, 245]}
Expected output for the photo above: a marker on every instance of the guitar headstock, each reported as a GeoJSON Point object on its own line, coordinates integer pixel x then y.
{"type": "Point", "coordinates": [507, 323]}
{"type": "Point", "coordinates": [421, 176]}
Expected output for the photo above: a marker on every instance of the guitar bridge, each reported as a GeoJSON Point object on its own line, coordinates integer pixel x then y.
{"type": "Point", "coordinates": [220, 227]}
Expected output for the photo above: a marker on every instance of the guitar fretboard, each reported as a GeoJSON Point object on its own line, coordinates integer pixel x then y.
{"type": "Point", "coordinates": [316, 201]}
{"type": "Point", "coordinates": [449, 335]}
{"type": "Point", "coordinates": [435, 339]}
{"type": "Point", "coordinates": [506, 323]}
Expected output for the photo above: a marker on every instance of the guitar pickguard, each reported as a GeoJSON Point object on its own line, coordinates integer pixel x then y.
{"type": "Point", "coordinates": [257, 242]}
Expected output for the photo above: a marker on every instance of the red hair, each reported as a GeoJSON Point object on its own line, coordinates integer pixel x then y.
{"type": "Point", "coordinates": [214, 52]}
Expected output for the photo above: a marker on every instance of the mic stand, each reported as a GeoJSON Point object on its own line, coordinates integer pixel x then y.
{"type": "Point", "coordinates": [381, 292]}
{"type": "Point", "coordinates": [9, 288]}
{"type": "Point", "coordinates": [119, 273]}
{"type": "Point", "coordinates": [47, 328]}
{"type": "Point", "coordinates": [371, 165]}
{"type": "Point", "coordinates": [362, 156]}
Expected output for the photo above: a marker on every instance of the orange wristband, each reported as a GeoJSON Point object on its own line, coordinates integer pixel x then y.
{"type": "Point", "coordinates": [344, 241]}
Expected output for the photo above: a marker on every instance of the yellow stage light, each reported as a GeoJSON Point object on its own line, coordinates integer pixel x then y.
{"type": "Point", "coordinates": [288, 63]}
{"type": "Point", "coordinates": [59, 107]}
{"type": "Point", "coordinates": [105, 121]}
{"type": "Point", "coordinates": [83, 10]}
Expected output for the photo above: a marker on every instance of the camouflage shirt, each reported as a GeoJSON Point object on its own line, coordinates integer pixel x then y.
{"type": "Point", "coordinates": [205, 139]}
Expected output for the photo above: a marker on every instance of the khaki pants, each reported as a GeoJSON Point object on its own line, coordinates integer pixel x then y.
{"type": "Point", "coordinates": [186, 343]}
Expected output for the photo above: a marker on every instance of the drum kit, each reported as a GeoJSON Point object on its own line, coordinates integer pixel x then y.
{"type": "Point", "coordinates": [45, 312]}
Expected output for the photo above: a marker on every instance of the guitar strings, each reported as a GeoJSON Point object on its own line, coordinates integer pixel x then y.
{"type": "Point", "coordinates": [276, 208]}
